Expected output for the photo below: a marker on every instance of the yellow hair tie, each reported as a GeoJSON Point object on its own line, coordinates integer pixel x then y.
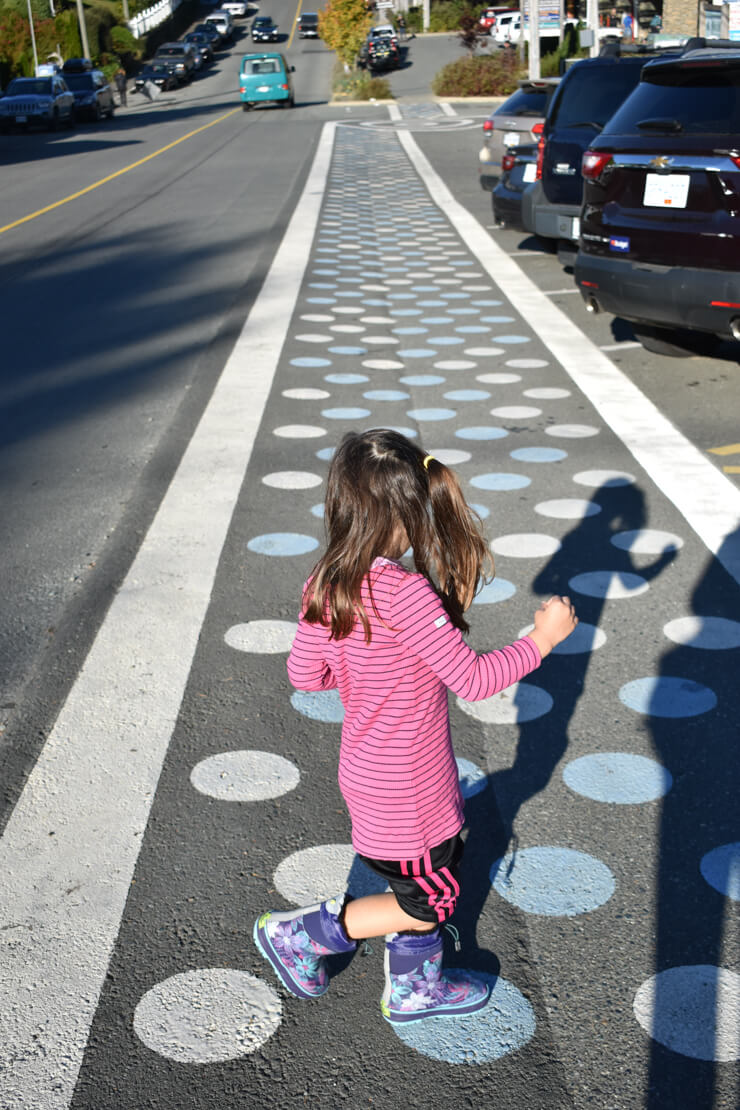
{"type": "Point", "coordinates": [427, 460]}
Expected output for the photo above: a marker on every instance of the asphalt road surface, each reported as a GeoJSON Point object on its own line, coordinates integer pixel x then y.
{"type": "Point", "coordinates": [198, 303]}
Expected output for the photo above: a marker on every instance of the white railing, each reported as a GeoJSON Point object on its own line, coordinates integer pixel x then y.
{"type": "Point", "coordinates": [152, 17]}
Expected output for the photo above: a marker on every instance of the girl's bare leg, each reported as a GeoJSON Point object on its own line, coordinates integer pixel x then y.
{"type": "Point", "coordinates": [378, 914]}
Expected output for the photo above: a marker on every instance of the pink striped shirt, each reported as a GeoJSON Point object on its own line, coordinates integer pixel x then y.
{"type": "Point", "coordinates": [397, 770]}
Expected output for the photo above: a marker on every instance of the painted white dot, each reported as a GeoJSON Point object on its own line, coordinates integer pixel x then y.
{"type": "Point", "coordinates": [245, 776]}
{"type": "Point", "coordinates": [709, 633]}
{"type": "Point", "coordinates": [306, 394]}
{"type": "Point", "coordinates": [693, 1010]}
{"type": "Point", "coordinates": [315, 874]}
{"type": "Point", "coordinates": [516, 412]}
{"type": "Point", "coordinates": [299, 431]}
{"type": "Point", "coordinates": [610, 479]}
{"type": "Point", "coordinates": [515, 705]}
{"type": "Point", "coordinates": [472, 779]}
{"type": "Point", "coordinates": [498, 379]}
{"type": "Point", "coordinates": [348, 329]}
{"type": "Point", "coordinates": [266, 637]}
{"type": "Point", "coordinates": [292, 479]}
{"type": "Point", "coordinates": [378, 320]}
{"type": "Point", "coordinates": [647, 541]}
{"type": "Point", "coordinates": [568, 508]}
{"type": "Point", "coordinates": [584, 637]}
{"type": "Point", "coordinates": [667, 696]}
{"type": "Point", "coordinates": [455, 364]}
{"type": "Point", "coordinates": [612, 585]}
{"type": "Point", "coordinates": [207, 1016]}
{"type": "Point", "coordinates": [525, 545]}
{"type": "Point", "coordinates": [572, 431]}
{"type": "Point", "coordinates": [547, 394]}
{"type": "Point", "coordinates": [450, 457]}
{"type": "Point", "coordinates": [313, 337]}
{"type": "Point", "coordinates": [483, 352]}
{"type": "Point", "coordinates": [318, 317]}
{"type": "Point", "coordinates": [552, 881]}
{"type": "Point", "coordinates": [617, 778]}
{"type": "Point", "coordinates": [721, 869]}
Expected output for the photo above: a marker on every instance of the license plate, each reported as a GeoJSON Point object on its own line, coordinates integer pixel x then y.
{"type": "Point", "coordinates": [263, 88]}
{"type": "Point", "coordinates": [21, 119]}
{"type": "Point", "coordinates": [666, 190]}
{"type": "Point", "coordinates": [511, 138]}
{"type": "Point", "coordinates": [569, 227]}
{"type": "Point", "coordinates": [530, 171]}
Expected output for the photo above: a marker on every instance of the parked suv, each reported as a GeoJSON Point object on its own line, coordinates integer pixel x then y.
{"type": "Point", "coordinates": [589, 94]}
{"type": "Point", "coordinates": [661, 215]}
{"type": "Point", "coordinates": [180, 56]}
{"type": "Point", "coordinates": [512, 123]}
{"type": "Point", "coordinates": [93, 95]}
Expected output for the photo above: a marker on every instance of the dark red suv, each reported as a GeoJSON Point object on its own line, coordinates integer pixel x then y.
{"type": "Point", "coordinates": [660, 223]}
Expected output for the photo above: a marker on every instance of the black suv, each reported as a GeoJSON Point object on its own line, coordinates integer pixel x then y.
{"type": "Point", "coordinates": [661, 215]}
{"type": "Point", "coordinates": [588, 95]}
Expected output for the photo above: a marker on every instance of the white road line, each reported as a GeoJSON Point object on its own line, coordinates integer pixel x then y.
{"type": "Point", "coordinates": [626, 346]}
{"type": "Point", "coordinates": [69, 850]}
{"type": "Point", "coordinates": [448, 109]}
{"type": "Point", "coordinates": [708, 500]}
{"type": "Point", "coordinates": [559, 293]}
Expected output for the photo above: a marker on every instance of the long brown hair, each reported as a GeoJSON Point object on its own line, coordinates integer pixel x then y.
{"type": "Point", "coordinates": [380, 486]}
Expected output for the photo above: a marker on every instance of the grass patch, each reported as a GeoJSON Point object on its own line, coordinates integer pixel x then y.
{"type": "Point", "coordinates": [481, 75]}
{"type": "Point", "coordinates": [358, 85]}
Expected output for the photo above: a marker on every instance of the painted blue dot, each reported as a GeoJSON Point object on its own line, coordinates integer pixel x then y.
{"type": "Point", "coordinates": [504, 1025]}
{"type": "Point", "coordinates": [325, 273]}
{"type": "Point", "coordinates": [498, 590]}
{"type": "Point", "coordinates": [349, 293]}
{"type": "Point", "coordinates": [481, 432]}
{"type": "Point", "coordinates": [409, 331]}
{"type": "Point", "coordinates": [326, 454]}
{"type": "Point", "coordinates": [512, 338]}
{"type": "Point", "coordinates": [539, 454]}
{"type": "Point", "coordinates": [500, 481]}
{"type": "Point", "coordinates": [422, 379]}
{"type": "Point", "coordinates": [348, 350]}
{"type": "Point", "coordinates": [400, 297]}
{"type": "Point", "coordinates": [416, 352]}
{"type": "Point", "coordinates": [472, 779]}
{"type": "Point", "coordinates": [405, 312]}
{"type": "Point", "coordinates": [488, 304]}
{"type": "Point", "coordinates": [282, 543]}
{"type": "Point", "coordinates": [448, 340]}
{"type": "Point", "coordinates": [320, 300]}
{"type": "Point", "coordinates": [482, 510]}
{"type": "Point", "coordinates": [617, 777]}
{"type": "Point", "coordinates": [466, 395]}
{"type": "Point", "coordinates": [497, 319]}
{"type": "Point", "coordinates": [386, 395]}
{"type": "Point", "coordinates": [431, 414]}
{"type": "Point", "coordinates": [323, 706]}
{"type": "Point", "coordinates": [667, 697]}
{"type": "Point", "coordinates": [464, 311]}
{"type": "Point", "coordinates": [375, 302]}
{"type": "Point", "coordinates": [472, 329]}
{"type": "Point", "coordinates": [553, 881]}
{"type": "Point", "coordinates": [318, 510]}
{"type": "Point", "coordinates": [721, 869]}
{"type": "Point", "coordinates": [436, 320]}
{"type": "Point", "coordinates": [433, 304]}
{"type": "Point", "coordinates": [346, 379]}
{"type": "Point", "coordinates": [424, 288]}
{"type": "Point", "coordinates": [322, 285]}
{"type": "Point", "coordinates": [345, 414]}
{"type": "Point", "coordinates": [307, 361]}
{"type": "Point", "coordinates": [455, 296]}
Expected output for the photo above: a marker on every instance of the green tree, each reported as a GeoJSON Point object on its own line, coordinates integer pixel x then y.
{"type": "Point", "coordinates": [343, 25]}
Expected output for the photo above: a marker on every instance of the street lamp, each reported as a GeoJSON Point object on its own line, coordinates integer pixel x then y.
{"type": "Point", "coordinates": [33, 39]}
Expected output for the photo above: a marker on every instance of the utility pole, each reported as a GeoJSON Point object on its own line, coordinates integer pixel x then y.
{"type": "Point", "coordinates": [33, 39]}
{"type": "Point", "coordinates": [126, 15]}
{"type": "Point", "coordinates": [83, 29]}
{"type": "Point", "coordinates": [425, 16]}
{"type": "Point", "coordinates": [534, 39]}
{"type": "Point", "coordinates": [592, 22]}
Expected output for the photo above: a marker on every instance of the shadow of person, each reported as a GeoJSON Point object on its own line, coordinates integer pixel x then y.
{"type": "Point", "coordinates": [695, 921]}
{"type": "Point", "coordinates": [596, 555]}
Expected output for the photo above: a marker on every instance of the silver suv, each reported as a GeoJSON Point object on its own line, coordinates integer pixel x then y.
{"type": "Point", "coordinates": [44, 101]}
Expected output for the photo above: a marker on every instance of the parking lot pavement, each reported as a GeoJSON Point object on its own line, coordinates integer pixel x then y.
{"type": "Point", "coordinates": [186, 787]}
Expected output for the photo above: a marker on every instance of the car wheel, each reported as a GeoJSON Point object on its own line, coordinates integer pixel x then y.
{"type": "Point", "coordinates": [247, 106]}
{"type": "Point", "coordinates": [675, 343]}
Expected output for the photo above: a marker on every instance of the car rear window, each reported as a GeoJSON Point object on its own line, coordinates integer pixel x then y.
{"type": "Point", "coordinates": [171, 51]}
{"type": "Point", "coordinates": [695, 100]}
{"type": "Point", "coordinates": [267, 65]}
{"type": "Point", "coordinates": [593, 94]}
{"type": "Point", "coordinates": [523, 103]}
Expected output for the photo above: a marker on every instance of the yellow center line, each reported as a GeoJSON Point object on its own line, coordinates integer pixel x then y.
{"type": "Point", "coordinates": [731, 469]}
{"type": "Point", "coordinates": [295, 24]}
{"type": "Point", "coordinates": [729, 449]}
{"type": "Point", "coordinates": [118, 173]}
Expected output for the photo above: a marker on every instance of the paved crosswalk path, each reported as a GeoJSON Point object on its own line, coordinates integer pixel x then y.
{"type": "Point", "coordinates": [186, 787]}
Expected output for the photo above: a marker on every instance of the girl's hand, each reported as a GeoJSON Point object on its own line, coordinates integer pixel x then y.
{"type": "Point", "coordinates": [553, 622]}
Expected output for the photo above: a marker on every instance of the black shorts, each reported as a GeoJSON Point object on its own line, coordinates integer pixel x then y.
{"type": "Point", "coordinates": [427, 888]}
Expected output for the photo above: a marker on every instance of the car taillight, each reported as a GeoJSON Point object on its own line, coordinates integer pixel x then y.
{"type": "Point", "coordinates": [508, 162]}
{"type": "Point", "coordinates": [540, 158]}
{"type": "Point", "coordinates": [537, 131]}
{"type": "Point", "coordinates": [242, 88]}
{"type": "Point", "coordinates": [736, 159]}
{"type": "Point", "coordinates": [488, 125]}
{"type": "Point", "coordinates": [285, 86]}
{"type": "Point", "coordinates": [594, 163]}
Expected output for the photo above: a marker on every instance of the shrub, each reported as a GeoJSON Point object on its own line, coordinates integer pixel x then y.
{"type": "Point", "coordinates": [446, 15]}
{"type": "Point", "coordinates": [124, 43]}
{"type": "Point", "coordinates": [358, 85]}
{"type": "Point", "coordinates": [482, 75]}
{"type": "Point", "coordinates": [343, 25]}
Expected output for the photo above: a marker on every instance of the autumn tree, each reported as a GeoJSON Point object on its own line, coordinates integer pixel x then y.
{"type": "Point", "coordinates": [343, 25]}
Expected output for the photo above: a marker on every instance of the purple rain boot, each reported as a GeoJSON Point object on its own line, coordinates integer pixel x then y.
{"type": "Point", "coordinates": [296, 944]}
{"type": "Point", "coordinates": [415, 985]}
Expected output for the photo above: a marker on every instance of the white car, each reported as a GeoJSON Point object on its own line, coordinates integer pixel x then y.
{"type": "Point", "coordinates": [507, 28]}
{"type": "Point", "coordinates": [223, 21]}
{"type": "Point", "coordinates": [238, 8]}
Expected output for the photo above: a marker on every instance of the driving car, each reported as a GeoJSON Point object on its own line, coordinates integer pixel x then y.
{"type": "Point", "coordinates": [512, 123]}
{"type": "Point", "coordinates": [211, 32]}
{"type": "Point", "coordinates": [224, 23]}
{"type": "Point", "coordinates": [202, 44]}
{"type": "Point", "coordinates": [161, 74]}
{"type": "Point", "coordinates": [660, 222]}
{"type": "Point", "coordinates": [308, 25]}
{"type": "Point", "coordinates": [237, 8]}
{"type": "Point", "coordinates": [93, 95]}
{"type": "Point", "coordinates": [181, 56]}
{"type": "Point", "coordinates": [44, 101]}
{"type": "Point", "coordinates": [264, 30]}
{"type": "Point", "coordinates": [265, 77]}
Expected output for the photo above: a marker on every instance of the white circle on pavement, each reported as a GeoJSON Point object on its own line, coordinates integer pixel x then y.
{"type": "Point", "coordinates": [693, 1010]}
{"type": "Point", "coordinates": [472, 779]}
{"type": "Point", "coordinates": [568, 508]}
{"type": "Point", "coordinates": [610, 479]}
{"type": "Point", "coordinates": [292, 479]}
{"type": "Point", "coordinates": [646, 541]}
{"type": "Point", "coordinates": [450, 457]}
{"type": "Point", "coordinates": [515, 705]}
{"type": "Point", "coordinates": [709, 633]}
{"type": "Point", "coordinates": [552, 881]}
{"type": "Point", "coordinates": [613, 585]}
{"type": "Point", "coordinates": [618, 778]}
{"type": "Point", "coordinates": [525, 545]}
{"type": "Point", "coordinates": [667, 696]}
{"type": "Point", "coordinates": [382, 364]}
{"type": "Point", "coordinates": [244, 776]}
{"type": "Point", "coordinates": [515, 412]}
{"type": "Point", "coordinates": [207, 1016]}
{"type": "Point", "coordinates": [299, 431]}
{"type": "Point", "coordinates": [527, 363]}
{"type": "Point", "coordinates": [584, 637]}
{"type": "Point", "coordinates": [315, 874]}
{"type": "Point", "coordinates": [264, 637]}
{"type": "Point", "coordinates": [306, 394]}
{"type": "Point", "coordinates": [546, 393]}
{"type": "Point", "coordinates": [498, 379]}
{"type": "Point", "coordinates": [721, 869]}
{"type": "Point", "coordinates": [572, 431]}
{"type": "Point", "coordinates": [483, 352]}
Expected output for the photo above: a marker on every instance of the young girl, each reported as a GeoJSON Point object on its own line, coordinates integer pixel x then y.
{"type": "Point", "coordinates": [391, 642]}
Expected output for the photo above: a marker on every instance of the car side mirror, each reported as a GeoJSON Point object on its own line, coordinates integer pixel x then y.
{"type": "Point", "coordinates": [292, 69]}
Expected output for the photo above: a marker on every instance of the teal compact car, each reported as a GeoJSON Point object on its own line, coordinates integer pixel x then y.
{"type": "Point", "coordinates": [265, 77]}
